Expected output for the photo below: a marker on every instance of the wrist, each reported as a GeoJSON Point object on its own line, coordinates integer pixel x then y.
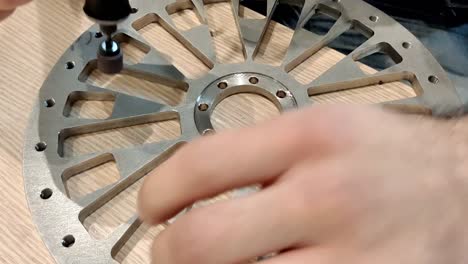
{"type": "Point", "coordinates": [455, 132]}
{"type": "Point", "coordinates": [459, 143]}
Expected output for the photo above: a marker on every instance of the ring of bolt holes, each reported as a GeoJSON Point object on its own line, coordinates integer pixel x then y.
{"type": "Point", "coordinates": [69, 240]}
{"type": "Point", "coordinates": [223, 85]}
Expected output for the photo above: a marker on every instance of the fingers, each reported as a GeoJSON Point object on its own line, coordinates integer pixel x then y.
{"type": "Point", "coordinates": [4, 14]}
{"type": "Point", "coordinates": [233, 231]}
{"type": "Point", "coordinates": [218, 163]}
{"type": "Point", "coordinates": [11, 4]}
{"type": "Point", "coordinates": [310, 255]}
{"type": "Point", "coordinates": [7, 7]}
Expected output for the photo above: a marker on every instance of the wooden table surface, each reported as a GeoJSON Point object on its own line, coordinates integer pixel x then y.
{"type": "Point", "coordinates": [33, 39]}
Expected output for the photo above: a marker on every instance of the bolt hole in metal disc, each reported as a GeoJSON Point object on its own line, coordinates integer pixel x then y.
{"type": "Point", "coordinates": [193, 68]}
{"type": "Point", "coordinates": [68, 241]}
{"type": "Point", "coordinates": [46, 193]}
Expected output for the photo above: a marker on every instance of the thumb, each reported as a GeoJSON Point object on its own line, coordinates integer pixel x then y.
{"type": "Point", "coordinates": [7, 7]}
{"type": "Point", "coordinates": [5, 13]}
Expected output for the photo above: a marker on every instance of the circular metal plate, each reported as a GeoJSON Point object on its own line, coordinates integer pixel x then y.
{"type": "Point", "coordinates": [47, 165]}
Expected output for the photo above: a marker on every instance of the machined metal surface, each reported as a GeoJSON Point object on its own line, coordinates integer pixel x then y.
{"type": "Point", "coordinates": [59, 219]}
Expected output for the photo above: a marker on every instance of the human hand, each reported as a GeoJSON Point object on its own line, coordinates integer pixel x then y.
{"type": "Point", "coordinates": [340, 185]}
{"type": "Point", "coordinates": [8, 6]}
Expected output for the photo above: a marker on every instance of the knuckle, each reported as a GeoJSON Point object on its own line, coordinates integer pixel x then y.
{"type": "Point", "coordinates": [146, 206]}
{"type": "Point", "coordinates": [142, 207]}
{"type": "Point", "coordinates": [5, 14]}
{"type": "Point", "coordinates": [341, 126]}
{"type": "Point", "coordinates": [332, 190]}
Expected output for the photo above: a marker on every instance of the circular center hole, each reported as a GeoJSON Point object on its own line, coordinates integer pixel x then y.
{"type": "Point", "coordinates": [242, 110]}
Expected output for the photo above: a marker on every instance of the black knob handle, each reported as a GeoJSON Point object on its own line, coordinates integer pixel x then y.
{"type": "Point", "coordinates": [107, 11]}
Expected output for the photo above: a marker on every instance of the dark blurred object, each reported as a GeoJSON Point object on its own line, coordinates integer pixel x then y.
{"type": "Point", "coordinates": [446, 12]}
{"type": "Point", "coordinates": [108, 12]}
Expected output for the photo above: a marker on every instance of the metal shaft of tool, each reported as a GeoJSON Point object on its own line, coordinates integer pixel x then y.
{"type": "Point", "coordinates": [108, 14]}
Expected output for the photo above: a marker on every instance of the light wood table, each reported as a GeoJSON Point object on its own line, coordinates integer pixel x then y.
{"type": "Point", "coordinates": [33, 39]}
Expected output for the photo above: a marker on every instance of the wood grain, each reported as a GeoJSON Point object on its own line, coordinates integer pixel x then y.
{"type": "Point", "coordinates": [34, 38]}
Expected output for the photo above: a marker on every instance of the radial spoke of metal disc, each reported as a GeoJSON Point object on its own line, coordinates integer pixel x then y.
{"type": "Point", "coordinates": [354, 81]}
{"type": "Point", "coordinates": [305, 43]}
{"type": "Point", "coordinates": [196, 39]}
{"type": "Point", "coordinates": [412, 105]}
{"type": "Point", "coordinates": [120, 236]}
{"type": "Point", "coordinates": [252, 31]}
{"type": "Point", "coordinates": [134, 163]}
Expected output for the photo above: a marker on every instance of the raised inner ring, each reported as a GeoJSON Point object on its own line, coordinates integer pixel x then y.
{"type": "Point", "coordinates": [236, 83]}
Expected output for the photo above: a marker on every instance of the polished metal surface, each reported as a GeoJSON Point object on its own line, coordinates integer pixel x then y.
{"type": "Point", "coordinates": [59, 219]}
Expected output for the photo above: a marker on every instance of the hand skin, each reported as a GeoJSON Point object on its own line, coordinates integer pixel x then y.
{"type": "Point", "coordinates": [7, 7]}
{"type": "Point", "coordinates": [342, 184]}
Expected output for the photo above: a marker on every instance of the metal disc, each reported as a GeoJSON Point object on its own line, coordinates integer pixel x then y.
{"type": "Point", "coordinates": [47, 166]}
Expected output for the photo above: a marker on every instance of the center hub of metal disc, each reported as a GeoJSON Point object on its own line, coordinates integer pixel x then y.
{"type": "Point", "coordinates": [237, 83]}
